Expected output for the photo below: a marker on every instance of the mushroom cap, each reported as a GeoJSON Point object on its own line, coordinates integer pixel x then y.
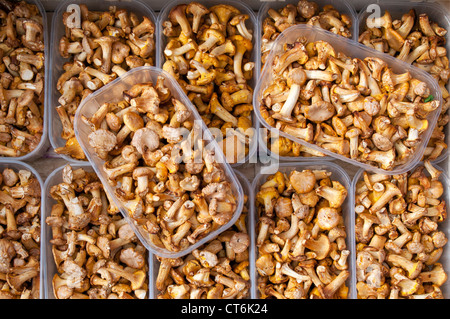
{"type": "Point", "coordinates": [102, 139]}
{"type": "Point", "coordinates": [320, 111]}
{"type": "Point", "coordinates": [381, 142]}
{"type": "Point", "coordinates": [196, 8]}
{"type": "Point", "coordinates": [133, 121]}
{"type": "Point", "coordinates": [328, 218]}
{"type": "Point", "coordinates": [296, 76]}
{"type": "Point", "coordinates": [303, 182]}
{"type": "Point", "coordinates": [145, 140]}
{"type": "Point", "coordinates": [321, 246]}
{"type": "Point", "coordinates": [239, 242]}
{"type": "Point", "coordinates": [142, 171]}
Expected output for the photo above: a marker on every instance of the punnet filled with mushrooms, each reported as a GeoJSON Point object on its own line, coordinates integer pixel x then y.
{"type": "Point", "coordinates": [347, 101]}
{"type": "Point", "coordinates": [94, 252]}
{"type": "Point", "coordinates": [401, 232]}
{"type": "Point", "coordinates": [97, 46]}
{"type": "Point", "coordinates": [209, 49]}
{"type": "Point", "coordinates": [22, 77]}
{"type": "Point", "coordinates": [302, 223]}
{"type": "Point", "coordinates": [159, 162]}
{"type": "Point", "coordinates": [20, 232]}
{"type": "Point", "coordinates": [418, 36]}
{"type": "Point", "coordinates": [219, 269]}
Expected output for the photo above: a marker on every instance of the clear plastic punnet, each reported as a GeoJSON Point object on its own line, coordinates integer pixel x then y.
{"type": "Point", "coordinates": [113, 92]}
{"type": "Point", "coordinates": [155, 264]}
{"type": "Point", "coordinates": [251, 24]}
{"type": "Point", "coordinates": [48, 266]}
{"type": "Point", "coordinates": [17, 166]}
{"type": "Point", "coordinates": [443, 226]}
{"type": "Point", "coordinates": [344, 7]}
{"type": "Point", "coordinates": [435, 11]}
{"type": "Point", "coordinates": [139, 7]}
{"type": "Point", "coordinates": [43, 145]}
{"type": "Point", "coordinates": [354, 50]}
{"type": "Point", "coordinates": [337, 174]}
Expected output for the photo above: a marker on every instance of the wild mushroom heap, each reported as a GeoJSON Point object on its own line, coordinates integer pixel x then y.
{"type": "Point", "coordinates": [103, 47]}
{"type": "Point", "coordinates": [300, 237]}
{"type": "Point", "coordinates": [416, 39]}
{"type": "Point", "coordinates": [96, 253]}
{"type": "Point", "coordinates": [356, 108]}
{"type": "Point", "coordinates": [22, 76]}
{"type": "Point", "coordinates": [218, 269]}
{"type": "Point", "coordinates": [170, 182]}
{"type": "Point", "coordinates": [305, 12]}
{"type": "Point", "coordinates": [208, 51]}
{"type": "Point", "coordinates": [20, 234]}
{"type": "Point", "coordinates": [398, 240]}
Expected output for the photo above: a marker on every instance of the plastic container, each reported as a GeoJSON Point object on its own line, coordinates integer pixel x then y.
{"type": "Point", "coordinates": [50, 270]}
{"type": "Point", "coordinates": [155, 264]}
{"type": "Point", "coordinates": [435, 11]}
{"type": "Point", "coordinates": [57, 61]}
{"type": "Point", "coordinates": [251, 25]}
{"type": "Point", "coordinates": [113, 92]}
{"type": "Point", "coordinates": [16, 166]}
{"type": "Point", "coordinates": [338, 174]}
{"type": "Point", "coordinates": [354, 50]}
{"type": "Point", "coordinates": [43, 145]}
{"type": "Point", "coordinates": [443, 226]}
{"type": "Point", "coordinates": [343, 6]}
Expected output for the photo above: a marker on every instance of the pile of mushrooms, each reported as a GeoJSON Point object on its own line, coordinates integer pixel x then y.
{"type": "Point", "coordinates": [101, 48]}
{"type": "Point", "coordinates": [398, 240]}
{"type": "Point", "coordinates": [301, 237]}
{"type": "Point", "coordinates": [218, 269]}
{"type": "Point", "coordinates": [305, 12]}
{"type": "Point", "coordinates": [96, 253]}
{"type": "Point", "coordinates": [416, 39]}
{"type": "Point", "coordinates": [169, 182]}
{"type": "Point", "coordinates": [20, 233]}
{"type": "Point", "coordinates": [22, 76]}
{"type": "Point", "coordinates": [357, 108]}
{"type": "Point", "coordinates": [208, 51]}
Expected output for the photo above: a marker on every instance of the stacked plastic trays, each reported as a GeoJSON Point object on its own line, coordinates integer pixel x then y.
{"type": "Point", "coordinates": [139, 8]}
{"type": "Point", "coordinates": [247, 178]}
{"type": "Point", "coordinates": [264, 134]}
{"type": "Point", "coordinates": [251, 25]}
